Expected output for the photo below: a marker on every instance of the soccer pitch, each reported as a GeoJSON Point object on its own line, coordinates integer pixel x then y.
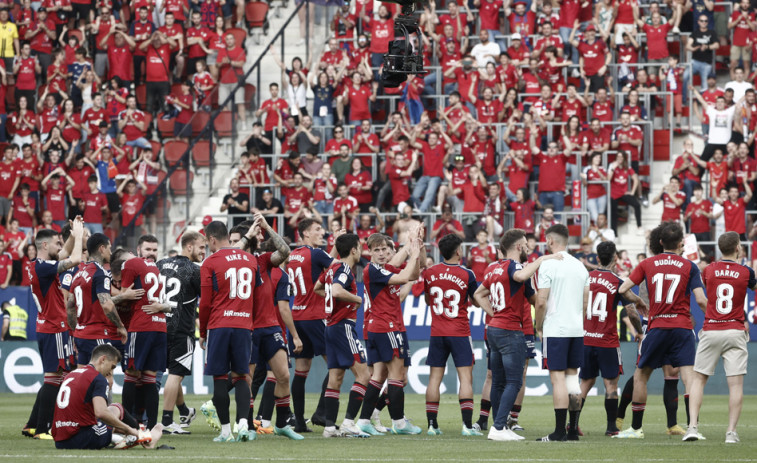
{"type": "Point", "coordinates": [537, 418]}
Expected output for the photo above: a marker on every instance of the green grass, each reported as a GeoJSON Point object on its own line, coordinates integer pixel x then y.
{"type": "Point", "coordinates": [537, 417]}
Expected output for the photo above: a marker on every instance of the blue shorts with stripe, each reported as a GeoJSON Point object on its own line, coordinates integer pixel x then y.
{"type": "Point", "coordinates": [563, 353]}
{"type": "Point", "coordinates": [530, 346]}
{"type": "Point", "coordinates": [90, 438]}
{"type": "Point", "coordinates": [676, 347]}
{"type": "Point", "coordinates": [383, 347]}
{"type": "Point", "coordinates": [312, 334]}
{"type": "Point", "coordinates": [441, 347]}
{"type": "Point", "coordinates": [85, 347]}
{"type": "Point", "coordinates": [57, 352]}
{"type": "Point", "coordinates": [343, 347]}
{"type": "Point", "coordinates": [147, 351]}
{"type": "Point", "coordinates": [228, 349]}
{"type": "Point", "coordinates": [605, 360]}
{"type": "Point", "coordinates": [266, 342]}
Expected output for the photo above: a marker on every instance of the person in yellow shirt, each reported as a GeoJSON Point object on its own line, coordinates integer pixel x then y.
{"type": "Point", "coordinates": [9, 46]}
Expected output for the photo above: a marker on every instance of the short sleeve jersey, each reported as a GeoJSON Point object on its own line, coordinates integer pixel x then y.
{"type": "Point", "coordinates": [305, 266]}
{"type": "Point", "coordinates": [76, 411]}
{"type": "Point", "coordinates": [726, 283]}
{"type": "Point", "coordinates": [566, 280]}
{"type": "Point", "coordinates": [670, 279]}
{"type": "Point", "coordinates": [266, 310]}
{"type": "Point", "coordinates": [383, 301]}
{"type": "Point", "coordinates": [477, 261]}
{"type": "Point", "coordinates": [144, 274]}
{"type": "Point", "coordinates": [340, 274]}
{"type": "Point", "coordinates": [51, 316]}
{"type": "Point", "coordinates": [181, 283]}
{"type": "Point", "coordinates": [507, 296]}
{"type": "Point", "coordinates": [91, 322]}
{"type": "Point", "coordinates": [601, 323]}
{"type": "Point", "coordinates": [449, 289]}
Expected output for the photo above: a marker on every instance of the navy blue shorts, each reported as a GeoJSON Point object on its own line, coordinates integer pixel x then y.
{"type": "Point", "coordinates": [606, 360]}
{"type": "Point", "coordinates": [530, 346]}
{"type": "Point", "coordinates": [228, 349]}
{"type": "Point", "coordinates": [56, 351]}
{"type": "Point", "coordinates": [90, 438]}
{"type": "Point", "coordinates": [313, 337]}
{"type": "Point", "coordinates": [563, 353]}
{"type": "Point", "coordinates": [266, 342]}
{"type": "Point", "coordinates": [147, 351]}
{"type": "Point", "coordinates": [441, 347]}
{"type": "Point", "coordinates": [86, 346]}
{"type": "Point", "coordinates": [676, 347]}
{"type": "Point", "coordinates": [343, 347]}
{"type": "Point", "coordinates": [383, 347]}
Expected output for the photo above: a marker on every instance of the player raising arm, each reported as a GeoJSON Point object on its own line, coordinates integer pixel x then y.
{"type": "Point", "coordinates": [725, 334]}
{"type": "Point", "coordinates": [671, 279]}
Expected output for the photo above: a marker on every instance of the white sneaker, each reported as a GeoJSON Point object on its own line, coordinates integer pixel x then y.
{"type": "Point", "coordinates": [501, 436]}
{"type": "Point", "coordinates": [351, 429]}
{"type": "Point", "coordinates": [331, 432]}
{"type": "Point", "coordinates": [692, 434]}
{"type": "Point", "coordinates": [175, 428]}
{"type": "Point", "coordinates": [513, 435]}
{"type": "Point", "coordinates": [732, 437]}
{"type": "Point", "coordinates": [376, 422]}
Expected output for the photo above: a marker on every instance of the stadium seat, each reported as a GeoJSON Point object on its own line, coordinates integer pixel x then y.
{"type": "Point", "coordinates": [256, 15]}
{"type": "Point", "coordinates": [176, 89]}
{"type": "Point", "coordinates": [178, 182]}
{"type": "Point", "coordinates": [250, 94]}
{"type": "Point", "coordinates": [223, 124]}
{"type": "Point", "coordinates": [165, 126]}
{"type": "Point", "coordinates": [240, 35]}
{"type": "Point", "coordinates": [202, 153]}
{"type": "Point", "coordinates": [174, 150]}
{"type": "Point", "coordinates": [157, 147]}
{"type": "Point", "coordinates": [141, 93]}
{"type": "Point", "coordinates": [200, 120]}
{"type": "Point", "coordinates": [10, 98]}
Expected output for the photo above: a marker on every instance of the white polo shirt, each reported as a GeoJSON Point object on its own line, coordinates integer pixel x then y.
{"type": "Point", "coordinates": [566, 280]}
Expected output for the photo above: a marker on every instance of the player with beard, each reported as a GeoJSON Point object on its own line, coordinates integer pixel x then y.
{"type": "Point", "coordinates": [180, 276]}
{"type": "Point", "coordinates": [55, 346]}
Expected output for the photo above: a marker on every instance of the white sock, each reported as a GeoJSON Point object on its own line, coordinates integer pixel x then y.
{"type": "Point", "coordinates": [376, 414]}
{"type": "Point", "coordinates": [243, 421]}
{"type": "Point", "coordinates": [363, 422]}
{"type": "Point", "coordinates": [265, 423]}
{"type": "Point", "coordinates": [226, 429]}
{"type": "Point", "coordinates": [399, 424]}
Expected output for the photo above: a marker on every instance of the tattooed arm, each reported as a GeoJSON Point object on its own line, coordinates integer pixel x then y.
{"type": "Point", "coordinates": [110, 311]}
{"type": "Point", "coordinates": [74, 256]}
{"type": "Point", "coordinates": [282, 248]}
{"type": "Point", "coordinates": [128, 294]}
{"type": "Point", "coordinates": [71, 312]}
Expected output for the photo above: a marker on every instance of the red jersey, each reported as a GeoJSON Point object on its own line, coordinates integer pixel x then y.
{"type": "Point", "coordinates": [230, 74]}
{"type": "Point", "coordinates": [524, 215]}
{"type": "Point", "coordinates": [734, 214]}
{"type": "Point", "coordinates": [27, 169]}
{"type": "Point", "coordinates": [195, 50]}
{"type": "Point", "coordinates": [266, 311]}
{"type": "Point", "coordinates": [595, 190]}
{"type": "Point", "coordinates": [340, 274]}
{"type": "Point", "coordinates": [362, 145]}
{"type": "Point", "coordinates": [26, 78]}
{"type": "Point", "coordinates": [657, 41]}
{"type": "Point", "coordinates": [383, 304]}
{"type": "Point", "coordinates": [718, 176]}
{"type": "Point", "coordinates": [593, 55]}
{"type": "Point", "coordinates": [130, 129]}
{"type": "Point", "coordinates": [73, 408]}
{"type": "Point", "coordinates": [51, 308]}
{"type": "Point", "coordinates": [508, 297]}
{"type": "Point", "coordinates": [480, 258]}
{"type": "Point", "coordinates": [130, 206]}
{"type": "Point", "coordinates": [699, 222]}
{"type": "Point", "coordinates": [601, 323]}
{"type": "Point", "coordinates": [120, 61]}
{"type": "Point", "coordinates": [448, 288]}
{"type": "Point", "coordinates": [670, 279]}
{"type": "Point", "coordinates": [355, 183]}
{"type": "Point", "coordinates": [633, 132]}
{"type": "Point", "coordinates": [382, 32]}
{"type": "Point", "coordinates": [144, 274]}
{"type": "Point", "coordinates": [619, 182]}
{"type": "Point", "coordinates": [228, 279]}
{"type": "Point", "coordinates": [42, 42]}
{"type": "Point", "coordinates": [305, 266]}
{"type": "Point", "coordinates": [21, 213]}
{"type": "Point", "coordinates": [156, 67]}
{"type": "Point", "coordinates": [552, 172]}
{"type": "Point", "coordinates": [91, 322]}
{"type": "Point", "coordinates": [93, 204]}
{"type": "Point", "coordinates": [296, 198]}
{"type": "Point", "coordinates": [671, 210]}
{"type": "Point", "coordinates": [358, 102]}
{"type": "Point", "coordinates": [727, 282]}
{"type": "Point", "coordinates": [271, 109]}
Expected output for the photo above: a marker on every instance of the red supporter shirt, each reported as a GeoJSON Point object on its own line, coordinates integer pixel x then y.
{"type": "Point", "coordinates": [382, 32]}
{"type": "Point", "coordinates": [619, 182]}
{"type": "Point", "coordinates": [727, 282]}
{"type": "Point", "coordinates": [228, 281]}
{"type": "Point", "coordinates": [552, 172]}
{"type": "Point", "coordinates": [593, 55]}
{"type": "Point", "coordinates": [130, 206]}
{"type": "Point", "coordinates": [94, 202]}
{"type": "Point", "coordinates": [296, 198]}
{"type": "Point", "coordinates": [130, 129]}
{"type": "Point", "coordinates": [196, 51]}
{"type": "Point", "coordinates": [80, 180]}
{"type": "Point", "coordinates": [524, 215]}
{"type": "Point", "coordinates": [42, 43]}
{"type": "Point", "coordinates": [144, 274]}
{"type": "Point", "coordinates": [601, 322]}
{"type": "Point", "coordinates": [489, 12]}
{"type": "Point", "coordinates": [433, 159]}
{"type": "Point", "coordinates": [507, 296]}
{"type": "Point", "coordinates": [55, 200]}
{"type": "Point", "coordinates": [120, 62]}
{"type": "Point", "coordinates": [8, 174]}
{"type": "Point", "coordinates": [304, 268]}
{"type": "Point", "coordinates": [734, 213]}
{"type": "Point", "coordinates": [158, 60]}
{"type": "Point", "coordinates": [358, 101]}
{"type": "Point", "coordinates": [26, 78]}
{"type": "Point", "coordinates": [671, 210]}
{"type": "Point", "coordinates": [670, 279]}
{"type": "Point", "coordinates": [742, 31]}
{"type": "Point", "coordinates": [19, 211]}
{"type": "Point", "coordinates": [699, 222]}
{"type": "Point", "coordinates": [480, 259]}
{"type": "Point", "coordinates": [355, 183]}
{"type": "Point", "coordinates": [448, 289]}
{"type": "Point", "coordinates": [26, 170]}
{"type": "Point", "coordinates": [230, 74]}
{"type": "Point", "coordinates": [602, 111]}
{"type": "Point", "coordinates": [657, 41]}
{"type": "Point", "coordinates": [272, 108]}
{"type": "Point", "coordinates": [718, 176]}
